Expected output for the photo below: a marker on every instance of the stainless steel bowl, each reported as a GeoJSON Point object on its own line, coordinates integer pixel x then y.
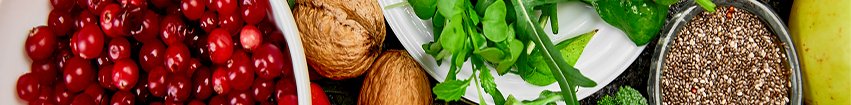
{"type": "Point", "coordinates": [691, 9]}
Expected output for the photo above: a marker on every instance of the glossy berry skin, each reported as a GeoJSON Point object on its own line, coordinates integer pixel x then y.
{"type": "Point", "coordinates": [88, 43]}
{"type": "Point", "coordinates": [266, 28]}
{"type": "Point", "coordinates": [209, 21]}
{"type": "Point", "coordinates": [157, 81]}
{"type": "Point", "coordinates": [95, 92]}
{"type": "Point", "coordinates": [61, 96]}
{"type": "Point", "coordinates": [112, 20]}
{"type": "Point", "coordinates": [231, 22]}
{"type": "Point", "coordinates": [161, 3]}
{"type": "Point", "coordinates": [284, 87]}
{"type": "Point", "coordinates": [194, 64]}
{"type": "Point", "coordinates": [141, 3]}
{"type": "Point", "coordinates": [202, 83]}
{"type": "Point", "coordinates": [241, 97]}
{"type": "Point", "coordinates": [44, 95]}
{"type": "Point", "coordinates": [83, 99]}
{"type": "Point", "coordinates": [220, 80]}
{"type": "Point", "coordinates": [253, 11]}
{"type": "Point", "coordinates": [193, 9]}
{"type": "Point", "coordinates": [60, 21]}
{"type": "Point", "coordinates": [262, 89]}
{"type": "Point", "coordinates": [40, 43]}
{"type": "Point", "coordinates": [289, 99]}
{"type": "Point", "coordinates": [78, 74]}
{"type": "Point", "coordinates": [151, 55]}
{"type": "Point", "coordinates": [141, 89]}
{"type": "Point", "coordinates": [225, 6]}
{"type": "Point", "coordinates": [95, 6]}
{"type": "Point", "coordinates": [125, 73]}
{"type": "Point", "coordinates": [177, 58]}
{"type": "Point", "coordinates": [220, 45]}
{"type": "Point", "coordinates": [105, 77]}
{"type": "Point", "coordinates": [28, 87]}
{"type": "Point", "coordinates": [63, 4]}
{"type": "Point", "coordinates": [178, 88]}
{"type": "Point", "coordinates": [240, 71]}
{"type": "Point", "coordinates": [220, 99]}
{"type": "Point", "coordinates": [250, 37]}
{"type": "Point", "coordinates": [171, 28]}
{"type": "Point", "coordinates": [268, 61]}
{"type": "Point", "coordinates": [45, 70]}
{"type": "Point", "coordinates": [123, 98]}
{"type": "Point", "coordinates": [85, 18]}
{"type": "Point", "coordinates": [103, 58]}
{"type": "Point", "coordinates": [148, 29]}
{"type": "Point", "coordinates": [119, 48]}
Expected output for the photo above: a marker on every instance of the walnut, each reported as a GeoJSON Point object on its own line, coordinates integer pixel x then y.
{"type": "Point", "coordinates": [395, 79]}
{"type": "Point", "coordinates": [341, 38]}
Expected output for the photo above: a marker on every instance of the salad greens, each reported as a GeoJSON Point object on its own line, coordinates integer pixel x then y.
{"type": "Point", "coordinates": [625, 96]}
{"type": "Point", "coordinates": [506, 34]}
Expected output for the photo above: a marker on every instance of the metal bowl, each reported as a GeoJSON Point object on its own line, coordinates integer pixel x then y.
{"type": "Point", "coordinates": [691, 9]}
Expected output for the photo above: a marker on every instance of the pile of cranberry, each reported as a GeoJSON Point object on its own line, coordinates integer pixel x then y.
{"type": "Point", "coordinates": [125, 52]}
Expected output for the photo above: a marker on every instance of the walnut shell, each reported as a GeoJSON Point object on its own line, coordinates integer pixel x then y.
{"type": "Point", "coordinates": [341, 38]}
{"type": "Point", "coordinates": [395, 79]}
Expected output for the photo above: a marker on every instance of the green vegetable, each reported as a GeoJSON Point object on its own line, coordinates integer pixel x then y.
{"type": "Point", "coordinates": [546, 98]}
{"type": "Point", "coordinates": [629, 96]}
{"type": "Point", "coordinates": [451, 90]}
{"type": "Point", "coordinates": [641, 20]}
{"type": "Point", "coordinates": [607, 100]}
{"type": "Point", "coordinates": [666, 2]}
{"type": "Point", "coordinates": [536, 71]}
{"type": "Point", "coordinates": [706, 4]}
{"type": "Point", "coordinates": [424, 9]}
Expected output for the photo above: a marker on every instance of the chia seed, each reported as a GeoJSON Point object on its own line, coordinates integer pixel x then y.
{"type": "Point", "coordinates": [726, 57]}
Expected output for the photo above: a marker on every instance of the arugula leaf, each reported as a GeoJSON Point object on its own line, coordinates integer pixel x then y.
{"type": "Point", "coordinates": [450, 90]}
{"type": "Point", "coordinates": [490, 86]}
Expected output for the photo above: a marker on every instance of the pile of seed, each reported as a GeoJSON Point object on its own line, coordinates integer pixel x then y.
{"type": "Point", "coordinates": [726, 57]}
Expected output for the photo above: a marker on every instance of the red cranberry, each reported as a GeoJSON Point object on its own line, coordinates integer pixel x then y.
{"type": "Point", "coordinates": [232, 22]}
{"type": "Point", "coordinates": [60, 21]}
{"type": "Point", "coordinates": [241, 97]}
{"type": "Point", "coordinates": [123, 98]}
{"type": "Point", "coordinates": [250, 37]}
{"type": "Point", "coordinates": [194, 64]}
{"type": "Point", "coordinates": [103, 58]}
{"type": "Point", "coordinates": [94, 6]}
{"type": "Point", "coordinates": [225, 6]}
{"type": "Point", "coordinates": [62, 55]}
{"type": "Point", "coordinates": [141, 89]}
{"type": "Point", "coordinates": [220, 80]}
{"type": "Point", "coordinates": [112, 20]}
{"type": "Point", "coordinates": [148, 28]}
{"type": "Point", "coordinates": [177, 58]}
{"type": "Point", "coordinates": [172, 28]}
{"type": "Point", "coordinates": [266, 28]}
{"type": "Point", "coordinates": [178, 88]}
{"type": "Point", "coordinates": [45, 94]}
{"type": "Point", "coordinates": [202, 83]}
{"type": "Point", "coordinates": [220, 99]}
{"type": "Point", "coordinates": [105, 77]}
{"type": "Point", "coordinates": [262, 89]}
{"type": "Point", "coordinates": [119, 48]}
{"type": "Point", "coordinates": [86, 18]}
{"type": "Point", "coordinates": [61, 96]}
{"type": "Point", "coordinates": [172, 103]}
{"type": "Point", "coordinates": [140, 3]}
{"type": "Point", "coordinates": [209, 21]}
{"type": "Point", "coordinates": [125, 74]}
{"type": "Point", "coordinates": [83, 99]}
{"type": "Point", "coordinates": [220, 45]}
{"type": "Point", "coordinates": [193, 35]}
{"type": "Point", "coordinates": [95, 92]}
{"type": "Point", "coordinates": [240, 71]}
{"type": "Point", "coordinates": [28, 87]}
{"type": "Point", "coordinates": [40, 43]}
{"type": "Point", "coordinates": [196, 102]}
{"type": "Point", "coordinates": [63, 4]}
{"type": "Point", "coordinates": [253, 11]}
{"type": "Point", "coordinates": [88, 43]}
{"type": "Point", "coordinates": [193, 9]}
{"type": "Point", "coordinates": [78, 74]}
{"type": "Point", "coordinates": [268, 61]}
{"type": "Point", "coordinates": [276, 37]}
{"type": "Point", "coordinates": [151, 55]}
{"type": "Point", "coordinates": [174, 9]}
{"type": "Point", "coordinates": [289, 99]}
{"type": "Point", "coordinates": [284, 87]}
{"type": "Point", "coordinates": [161, 3]}
{"type": "Point", "coordinates": [157, 81]}
{"type": "Point", "coordinates": [46, 71]}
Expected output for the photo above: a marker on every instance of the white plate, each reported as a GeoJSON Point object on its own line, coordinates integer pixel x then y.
{"type": "Point", "coordinates": [17, 17]}
{"type": "Point", "coordinates": [605, 57]}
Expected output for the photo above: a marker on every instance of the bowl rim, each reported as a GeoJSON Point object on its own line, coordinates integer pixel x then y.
{"type": "Point", "coordinates": [690, 9]}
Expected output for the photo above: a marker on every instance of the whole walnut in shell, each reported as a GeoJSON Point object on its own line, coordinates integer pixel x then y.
{"type": "Point", "coordinates": [341, 38]}
{"type": "Point", "coordinates": [395, 79]}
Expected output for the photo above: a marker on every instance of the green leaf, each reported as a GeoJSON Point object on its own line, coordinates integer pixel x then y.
{"type": "Point", "coordinates": [629, 96]}
{"type": "Point", "coordinates": [491, 54]}
{"type": "Point", "coordinates": [494, 25]}
{"type": "Point", "coordinates": [490, 86]}
{"type": "Point", "coordinates": [424, 8]}
{"type": "Point", "coordinates": [438, 21]}
{"type": "Point", "coordinates": [450, 8]}
{"type": "Point", "coordinates": [474, 16]}
{"type": "Point", "coordinates": [450, 90]}
{"type": "Point", "coordinates": [573, 50]}
{"type": "Point", "coordinates": [453, 36]}
{"type": "Point", "coordinates": [515, 48]}
{"type": "Point", "coordinates": [607, 100]}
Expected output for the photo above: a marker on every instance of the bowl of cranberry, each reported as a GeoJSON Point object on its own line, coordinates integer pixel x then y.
{"type": "Point", "coordinates": [124, 52]}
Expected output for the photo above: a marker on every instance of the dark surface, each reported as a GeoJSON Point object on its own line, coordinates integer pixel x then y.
{"type": "Point", "coordinates": [345, 92]}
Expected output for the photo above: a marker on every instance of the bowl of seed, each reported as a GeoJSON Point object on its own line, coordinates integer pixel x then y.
{"type": "Point", "coordinates": [740, 54]}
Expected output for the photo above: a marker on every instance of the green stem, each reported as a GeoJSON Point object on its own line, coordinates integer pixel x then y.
{"type": "Point", "coordinates": [396, 5]}
{"type": "Point", "coordinates": [706, 4]}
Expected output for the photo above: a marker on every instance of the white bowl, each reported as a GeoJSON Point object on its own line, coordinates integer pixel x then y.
{"type": "Point", "coordinates": [17, 17]}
